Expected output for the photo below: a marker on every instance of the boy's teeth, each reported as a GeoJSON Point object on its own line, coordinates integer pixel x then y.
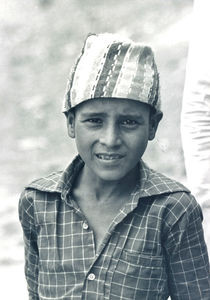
{"type": "Point", "coordinates": [108, 157]}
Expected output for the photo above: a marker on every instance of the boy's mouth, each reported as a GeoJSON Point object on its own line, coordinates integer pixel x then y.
{"type": "Point", "coordinates": [104, 156]}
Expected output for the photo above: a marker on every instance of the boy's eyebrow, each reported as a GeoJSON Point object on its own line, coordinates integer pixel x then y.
{"type": "Point", "coordinates": [93, 114]}
{"type": "Point", "coordinates": [133, 115]}
{"type": "Point", "coordinates": [102, 114]}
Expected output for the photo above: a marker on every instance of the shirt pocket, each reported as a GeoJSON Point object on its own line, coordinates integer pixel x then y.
{"type": "Point", "coordinates": [139, 276]}
{"type": "Point", "coordinates": [141, 259]}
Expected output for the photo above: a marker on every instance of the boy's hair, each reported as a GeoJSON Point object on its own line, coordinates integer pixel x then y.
{"type": "Point", "coordinates": [112, 67]}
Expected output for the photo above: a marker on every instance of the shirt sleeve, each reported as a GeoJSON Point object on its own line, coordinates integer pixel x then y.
{"type": "Point", "coordinates": [26, 216]}
{"type": "Point", "coordinates": [186, 252]}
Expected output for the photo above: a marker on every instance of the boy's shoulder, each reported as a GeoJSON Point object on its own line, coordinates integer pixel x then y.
{"type": "Point", "coordinates": [168, 194]}
{"type": "Point", "coordinates": [155, 183]}
{"type": "Point", "coordinates": [57, 181]}
{"type": "Point", "coordinates": [49, 183]}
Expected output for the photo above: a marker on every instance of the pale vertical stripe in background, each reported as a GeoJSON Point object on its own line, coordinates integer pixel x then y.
{"type": "Point", "coordinates": [195, 126]}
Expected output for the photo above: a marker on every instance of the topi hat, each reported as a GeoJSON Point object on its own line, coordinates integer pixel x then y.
{"type": "Point", "coordinates": [112, 67]}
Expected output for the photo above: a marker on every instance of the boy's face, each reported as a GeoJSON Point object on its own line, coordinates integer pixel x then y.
{"type": "Point", "coordinates": [111, 135]}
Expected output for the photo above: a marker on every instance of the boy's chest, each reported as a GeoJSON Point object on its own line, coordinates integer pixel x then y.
{"type": "Point", "coordinates": [61, 225]}
{"type": "Point", "coordinates": [131, 252]}
{"type": "Point", "coordinates": [99, 217]}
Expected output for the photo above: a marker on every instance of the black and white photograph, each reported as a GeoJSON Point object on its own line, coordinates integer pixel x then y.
{"type": "Point", "coordinates": [105, 153]}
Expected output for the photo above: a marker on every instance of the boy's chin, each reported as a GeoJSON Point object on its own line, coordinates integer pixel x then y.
{"type": "Point", "coordinates": [109, 176]}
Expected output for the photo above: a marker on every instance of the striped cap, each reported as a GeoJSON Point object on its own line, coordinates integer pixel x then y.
{"type": "Point", "coordinates": [112, 67]}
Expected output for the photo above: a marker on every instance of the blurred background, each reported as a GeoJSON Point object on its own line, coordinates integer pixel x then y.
{"type": "Point", "coordinates": [39, 41]}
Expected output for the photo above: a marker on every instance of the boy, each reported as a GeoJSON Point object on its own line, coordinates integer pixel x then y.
{"type": "Point", "coordinates": [108, 227]}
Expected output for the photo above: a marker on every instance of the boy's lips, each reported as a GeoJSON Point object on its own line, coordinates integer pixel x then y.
{"type": "Point", "coordinates": [109, 156]}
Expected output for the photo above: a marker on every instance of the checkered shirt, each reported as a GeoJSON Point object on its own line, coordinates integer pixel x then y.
{"type": "Point", "coordinates": [153, 249]}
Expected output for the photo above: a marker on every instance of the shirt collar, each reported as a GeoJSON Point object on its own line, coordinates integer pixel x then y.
{"type": "Point", "coordinates": [59, 182]}
{"type": "Point", "coordinates": [151, 182]}
{"type": "Point", "coordinates": [154, 183]}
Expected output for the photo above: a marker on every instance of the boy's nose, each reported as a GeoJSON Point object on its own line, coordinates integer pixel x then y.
{"type": "Point", "coordinates": [110, 136]}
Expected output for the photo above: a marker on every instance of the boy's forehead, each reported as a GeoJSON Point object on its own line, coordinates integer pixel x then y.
{"type": "Point", "coordinates": [112, 105]}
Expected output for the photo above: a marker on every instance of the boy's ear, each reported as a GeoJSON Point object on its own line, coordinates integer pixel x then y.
{"type": "Point", "coordinates": [153, 124]}
{"type": "Point", "coordinates": [71, 124]}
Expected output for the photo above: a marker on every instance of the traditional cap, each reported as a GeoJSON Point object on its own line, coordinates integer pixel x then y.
{"type": "Point", "coordinates": [112, 67]}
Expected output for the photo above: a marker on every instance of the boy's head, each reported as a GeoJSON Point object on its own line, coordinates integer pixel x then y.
{"type": "Point", "coordinates": [112, 104]}
{"type": "Point", "coordinates": [111, 135]}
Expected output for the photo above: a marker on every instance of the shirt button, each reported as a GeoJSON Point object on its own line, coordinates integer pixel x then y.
{"type": "Point", "coordinates": [91, 276]}
{"type": "Point", "coordinates": [85, 225]}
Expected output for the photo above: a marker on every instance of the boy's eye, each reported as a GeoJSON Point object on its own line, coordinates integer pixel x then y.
{"type": "Point", "coordinates": [94, 121]}
{"type": "Point", "coordinates": [129, 122]}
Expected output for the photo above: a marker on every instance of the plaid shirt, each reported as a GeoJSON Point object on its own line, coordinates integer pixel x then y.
{"type": "Point", "coordinates": [154, 246]}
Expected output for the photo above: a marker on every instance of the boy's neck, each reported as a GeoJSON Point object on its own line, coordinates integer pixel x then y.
{"type": "Point", "coordinates": [106, 191]}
